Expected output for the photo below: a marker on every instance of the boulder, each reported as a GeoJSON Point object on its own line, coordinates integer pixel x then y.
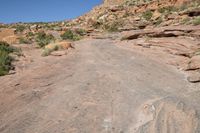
{"type": "Point", "coordinates": [157, 33]}
{"type": "Point", "coordinates": [194, 63]}
{"type": "Point", "coordinates": [65, 45]}
{"type": "Point", "coordinates": [194, 78]}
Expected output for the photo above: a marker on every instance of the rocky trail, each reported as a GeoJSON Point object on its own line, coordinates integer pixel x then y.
{"type": "Point", "coordinates": [99, 87]}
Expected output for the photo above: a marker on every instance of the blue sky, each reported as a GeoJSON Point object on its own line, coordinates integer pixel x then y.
{"type": "Point", "coordinates": [43, 10]}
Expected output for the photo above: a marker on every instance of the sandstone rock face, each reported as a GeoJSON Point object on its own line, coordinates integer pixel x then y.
{"type": "Point", "coordinates": [8, 36]}
{"type": "Point", "coordinates": [170, 115]}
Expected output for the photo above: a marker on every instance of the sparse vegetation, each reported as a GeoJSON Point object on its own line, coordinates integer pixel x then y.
{"type": "Point", "coordinates": [3, 26]}
{"type": "Point", "coordinates": [183, 7]}
{"type": "Point", "coordinates": [5, 58]}
{"type": "Point", "coordinates": [23, 40]}
{"type": "Point", "coordinates": [96, 25]}
{"type": "Point", "coordinates": [44, 39]}
{"type": "Point", "coordinates": [80, 32]}
{"type": "Point", "coordinates": [20, 28]}
{"type": "Point", "coordinates": [70, 35]}
{"type": "Point", "coordinates": [47, 51]}
{"type": "Point", "coordinates": [196, 21]}
{"type": "Point", "coordinates": [136, 2]}
{"type": "Point", "coordinates": [112, 27]}
{"type": "Point", "coordinates": [30, 34]}
{"type": "Point", "coordinates": [147, 15]}
{"type": "Point", "coordinates": [185, 21]}
{"type": "Point", "coordinates": [158, 21]}
{"type": "Point", "coordinates": [167, 10]}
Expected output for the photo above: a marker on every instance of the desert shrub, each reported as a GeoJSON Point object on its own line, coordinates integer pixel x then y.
{"type": "Point", "coordinates": [147, 15]}
{"type": "Point", "coordinates": [96, 24]}
{"type": "Point", "coordinates": [43, 39]}
{"type": "Point", "coordinates": [159, 21]}
{"type": "Point", "coordinates": [171, 9]}
{"type": "Point", "coordinates": [131, 2]}
{"type": "Point", "coordinates": [23, 40]}
{"type": "Point", "coordinates": [161, 10]}
{"type": "Point", "coordinates": [70, 35]}
{"type": "Point", "coordinates": [81, 32]}
{"type": "Point", "coordinates": [195, 3]}
{"type": "Point", "coordinates": [196, 21]}
{"type": "Point", "coordinates": [113, 27]}
{"type": "Point", "coordinates": [20, 28]}
{"type": "Point", "coordinates": [167, 10]}
{"type": "Point", "coordinates": [185, 21]}
{"type": "Point", "coordinates": [30, 34]}
{"type": "Point", "coordinates": [4, 46]}
{"type": "Point", "coordinates": [183, 7]}
{"type": "Point", "coordinates": [136, 2]}
{"type": "Point", "coordinates": [3, 26]}
{"type": "Point", "coordinates": [5, 58]}
{"type": "Point", "coordinates": [47, 51]}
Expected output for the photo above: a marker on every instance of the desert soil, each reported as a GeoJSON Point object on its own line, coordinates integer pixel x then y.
{"type": "Point", "coordinates": [97, 88]}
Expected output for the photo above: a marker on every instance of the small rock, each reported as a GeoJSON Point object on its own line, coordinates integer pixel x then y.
{"type": "Point", "coordinates": [11, 72]}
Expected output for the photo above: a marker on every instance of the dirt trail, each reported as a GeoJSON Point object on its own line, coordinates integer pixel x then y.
{"type": "Point", "coordinates": [98, 88]}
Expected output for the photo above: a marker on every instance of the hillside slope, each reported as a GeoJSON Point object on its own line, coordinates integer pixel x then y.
{"type": "Point", "coordinates": [133, 14]}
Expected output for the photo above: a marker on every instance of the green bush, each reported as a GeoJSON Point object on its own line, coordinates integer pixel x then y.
{"type": "Point", "coordinates": [70, 35]}
{"type": "Point", "coordinates": [196, 21]}
{"type": "Point", "coordinates": [30, 34]}
{"type": "Point", "coordinates": [44, 39]}
{"type": "Point", "coordinates": [4, 46]}
{"type": "Point", "coordinates": [147, 15]}
{"type": "Point", "coordinates": [5, 59]}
